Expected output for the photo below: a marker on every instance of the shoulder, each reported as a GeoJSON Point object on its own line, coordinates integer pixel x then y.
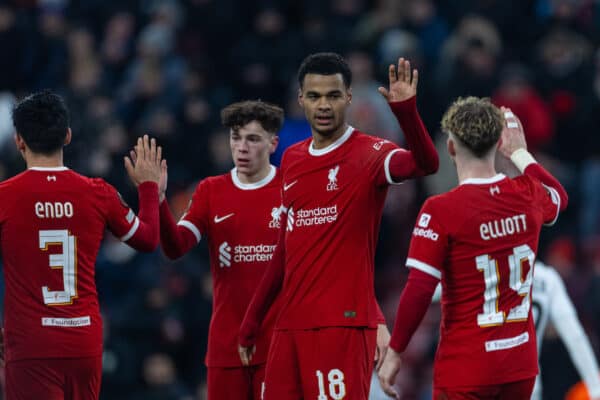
{"type": "Point", "coordinates": [297, 149]}
{"type": "Point", "coordinates": [372, 143]}
{"type": "Point", "coordinates": [525, 182]}
{"type": "Point", "coordinates": [10, 182]}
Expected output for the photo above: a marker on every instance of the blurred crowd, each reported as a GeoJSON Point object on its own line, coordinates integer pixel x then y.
{"type": "Point", "coordinates": [167, 67]}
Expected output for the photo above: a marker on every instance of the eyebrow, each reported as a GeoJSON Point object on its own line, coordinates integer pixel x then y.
{"type": "Point", "coordinates": [313, 92]}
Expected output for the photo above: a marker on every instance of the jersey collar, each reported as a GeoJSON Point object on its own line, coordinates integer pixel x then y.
{"type": "Point", "coordinates": [255, 185]}
{"type": "Point", "coordinates": [48, 168]}
{"type": "Point", "coordinates": [332, 146]}
{"type": "Point", "coordinates": [483, 181]}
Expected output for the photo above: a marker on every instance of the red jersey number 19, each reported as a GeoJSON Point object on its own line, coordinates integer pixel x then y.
{"type": "Point", "coordinates": [65, 260]}
{"type": "Point", "coordinates": [491, 275]}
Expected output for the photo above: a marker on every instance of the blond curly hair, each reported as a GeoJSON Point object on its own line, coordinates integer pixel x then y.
{"type": "Point", "coordinates": [476, 122]}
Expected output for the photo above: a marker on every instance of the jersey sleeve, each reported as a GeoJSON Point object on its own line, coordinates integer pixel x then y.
{"type": "Point", "coordinates": [548, 200]}
{"type": "Point", "coordinates": [196, 218]}
{"type": "Point", "coordinates": [381, 152]}
{"type": "Point", "coordinates": [120, 218]}
{"type": "Point", "coordinates": [429, 242]}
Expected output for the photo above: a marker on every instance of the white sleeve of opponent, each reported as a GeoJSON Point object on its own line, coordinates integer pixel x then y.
{"type": "Point", "coordinates": [564, 318]}
{"type": "Point", "coordinates": [437, 295]}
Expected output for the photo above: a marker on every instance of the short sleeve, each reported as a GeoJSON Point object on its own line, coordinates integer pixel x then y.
{"type": "Point", "coordinates": [196, 217]}
{"type": "Point", "coordinates": [381, 153]}
{"type": "Point", "coordinates": [548, 201]}
{"type": "Point", "coordinates": [120, 218]}
{"type": "Point", "coordinates": [429, 243]}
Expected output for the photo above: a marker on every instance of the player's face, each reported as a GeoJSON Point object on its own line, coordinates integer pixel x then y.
{"type": "Point", "coordinates": [325, 99]}
{"type": "Point", "coordinates": [251, 147]}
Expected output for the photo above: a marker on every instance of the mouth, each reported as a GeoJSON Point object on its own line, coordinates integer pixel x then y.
{"type": "Point", "coordinates": [324, 119]}
{"type": "Point", "coordinates": [243, 162]}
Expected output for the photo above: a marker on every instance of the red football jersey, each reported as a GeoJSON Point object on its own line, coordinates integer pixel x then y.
{"type": "Point", "coordinates": [52, 221]}
{"type": "Point", "coordinates": [334, 199]}
{"type": "Point", "coordinates": [481, 239]}
{"type": "Point", "coordinates": [241, 222]}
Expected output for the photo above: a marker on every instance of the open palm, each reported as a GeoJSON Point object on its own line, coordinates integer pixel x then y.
{"type": "Point", "coordinates": [403, 82]}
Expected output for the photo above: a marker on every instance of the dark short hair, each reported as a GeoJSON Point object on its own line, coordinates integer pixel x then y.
{"type": "Point", "coordinates": [476, 122]}
{"type": "Point", "coordinates": [269, 116]}
{"type": "Point", "coordinates": [42, 120]}
{"type": "Point", "coordinates": [325, 64]}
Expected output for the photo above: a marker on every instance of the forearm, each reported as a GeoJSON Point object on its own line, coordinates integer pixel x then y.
{"type": "Point", "coordinates": [146, 235]}
{"type": "Point", "coordinates": [414, 302]}
{"type": "Point", "coordinates": [265, 294]}
{"type": "Point", "coordinates": [418, 141]}
{"type": "Point", "coordinates": [175, 240]}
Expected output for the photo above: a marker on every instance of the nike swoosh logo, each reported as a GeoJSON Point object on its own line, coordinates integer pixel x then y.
{"type": "Point", "coordinates": [223, 218]}
{"type": "Point", "coordinates": [286, 187]}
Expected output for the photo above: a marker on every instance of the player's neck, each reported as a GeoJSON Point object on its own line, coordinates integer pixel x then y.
{"type": "Point", "coordinates": [474, 168]}
{"type": "Point", "coordinates": [256, 177]}
{"type": "Point", "coordinates": [34, 160]}
{"type": "Point", "coordinates": [321, 141]}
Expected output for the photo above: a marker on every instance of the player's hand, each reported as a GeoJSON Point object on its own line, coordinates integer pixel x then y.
{"type": "Point", "coordinates": [146, 165]}
{"type": "Point", "coordinates": [164, 176]}
{"type": "Point", "coordinates": [383, 341]}
{"type": "Point", "coordinates": [388, 372]}
{"type": "Point", "coordinates": [246, 354]}
{"type": "Point", "coordinates": [403, 82]}
{"type": "Point", "coordinates": [513, 136]}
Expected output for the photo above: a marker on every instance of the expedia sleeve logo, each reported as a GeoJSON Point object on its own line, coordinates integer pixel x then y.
{"type": "Point", "coordinates": [422, 232]}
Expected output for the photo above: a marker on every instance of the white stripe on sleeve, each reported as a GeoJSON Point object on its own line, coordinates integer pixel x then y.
{"type": "Point", "coordinates": [386, 167]}
{"type": "Point", "coordinates": [192, 228]}
{"type": "Point", "coordinates": [424, 267]}
{"type": "Point", "coordinates": [134, 228]}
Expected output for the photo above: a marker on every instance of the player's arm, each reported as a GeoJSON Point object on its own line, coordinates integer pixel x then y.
{"type": "Point", "coordinates": [421, 158]}
{"type": "Point", "coordinates": [265, 295]}
{"type": "Point", "coordinates": [426, 255]}
{"type": "Point", "coordinates": [176, 239]}
{"type": "Point", "coordinates": [143, 233]}
{"type": "Point", "coordinates": [514, 146]}
{"type": "Point", "coordinates": [564, 318]}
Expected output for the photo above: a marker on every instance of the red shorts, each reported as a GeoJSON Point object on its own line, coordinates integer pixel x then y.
{"type": "Point", "coordinates": [54, 379]}
{"type": "Point", "coordinates": [238, 383]}
{"type": "Point", "coordinates": [519, 390]}
{"type": "Point", "coordinates": [321, 364]}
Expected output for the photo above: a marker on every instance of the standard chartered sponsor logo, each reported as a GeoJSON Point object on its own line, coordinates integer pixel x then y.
{"type": "Point", "coordinates": [244, 253]}
{"type": "Point", "coordinates": [311, 217]}
{"type": "Point", "coordinates": [224, 255]}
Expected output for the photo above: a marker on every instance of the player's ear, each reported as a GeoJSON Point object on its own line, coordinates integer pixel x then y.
{"type": "Point", "coordinates": [349, 94]}
{"type": "Point", "coordinates": [499, 144]}
{"type": "Point", "coordinates": [274, 143]}
{"type": "Point", "coordinates": [451, 146]}
{"type": "Point", "coordinates": [300, 98]}
{"type": "Point", "coordinates": [19, 142]}
{"type": "Point", "coordinates": [68, 136]}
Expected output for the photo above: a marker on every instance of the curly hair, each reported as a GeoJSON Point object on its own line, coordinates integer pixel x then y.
{"type": "Point", "coordinates": [476, 122]}
{"type": "Point", "coordinates": [236, 115]}
{"type": "Point", "coordinates": [325, 64]}
{"type": "Point", "coordinates": [42, 120]}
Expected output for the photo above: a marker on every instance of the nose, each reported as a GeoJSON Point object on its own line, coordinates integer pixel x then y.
{"type": "Point", "coordinates": [323, 104]}
{"type": "Point", "coordinates": [243, 146]}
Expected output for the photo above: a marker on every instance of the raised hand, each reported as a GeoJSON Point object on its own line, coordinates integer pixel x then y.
{"type": "Point", "coordinates": [513, 136]}
{"type": "Point", "coordinates": [403, 83]}
{"type": "Point", "coordinates": [164, 176]}
{"type": "Point", "coordinates": [146, 162]}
